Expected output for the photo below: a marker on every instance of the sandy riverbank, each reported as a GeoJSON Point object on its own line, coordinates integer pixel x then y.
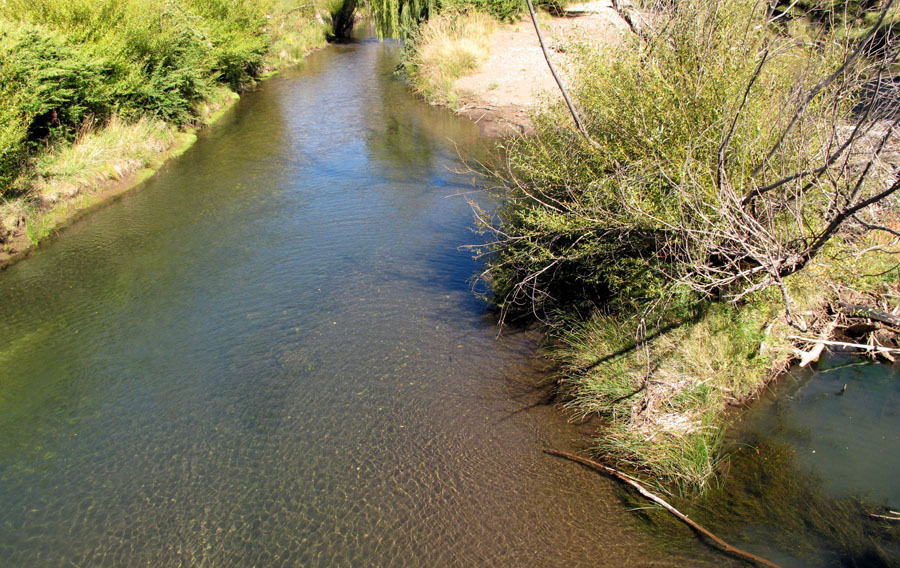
{"type": "Point", "coordinates": [515, 79]}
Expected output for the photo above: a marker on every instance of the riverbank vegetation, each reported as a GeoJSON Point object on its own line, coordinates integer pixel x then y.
{"type": "Point", "coordinates": [92, 91]}
{"type": "Point", "coordinates": [403, 18]}
{"type": "Point", "coordinates": [738, 176]}
{"type": "Point", "coordinates": [447, 47]}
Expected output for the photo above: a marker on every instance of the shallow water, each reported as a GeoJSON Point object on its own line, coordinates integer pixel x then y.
{"type": "Point", "coordinates": [851, 439]}
{"type": "Point", "coordinates": [812, 462]}
{"type": "Point", "coordinates": [270, 355]}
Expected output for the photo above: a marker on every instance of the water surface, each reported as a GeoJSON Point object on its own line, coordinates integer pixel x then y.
{"type": "Point", "coordinates": [812, 462]}
{"type": "Point", "coordinates": [270, 355]}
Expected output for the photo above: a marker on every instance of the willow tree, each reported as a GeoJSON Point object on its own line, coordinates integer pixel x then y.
{"type": "Point", "coordinates": [732, 155]}
{"type": "Point", "coordinates": [400, 17]}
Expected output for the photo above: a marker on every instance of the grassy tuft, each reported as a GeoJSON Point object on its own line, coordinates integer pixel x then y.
{"type": "Point", "coordinates": [446, 48]}
{"type": "Point", "coordinates": [113, 152]}
{"type": "Point", "coordinates": [663, 385]}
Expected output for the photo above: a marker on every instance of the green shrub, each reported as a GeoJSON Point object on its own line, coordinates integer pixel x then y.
{"type": "Point", "coordinates": [166, 66]}
{"type": "Point", "coordinates": [14, 122]}
{"type": "Point", "coordinates": [681, 123]}
{"type": "Point", "coordinates": [63, 84]}
{"type": "Point", "coordinates": [504, 10]}
{"type": "Point", "coordinates": [65, 62]}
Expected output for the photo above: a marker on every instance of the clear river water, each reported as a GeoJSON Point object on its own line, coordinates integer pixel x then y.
{"type": "Point", "coordinates": [270, 355]}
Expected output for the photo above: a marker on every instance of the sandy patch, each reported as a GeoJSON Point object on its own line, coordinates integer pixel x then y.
{"type": "Point", "coordinates": [516, 79]}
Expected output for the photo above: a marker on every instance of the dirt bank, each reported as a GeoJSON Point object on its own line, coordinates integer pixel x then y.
{"type": "Point", "coordinates": [501, 93]}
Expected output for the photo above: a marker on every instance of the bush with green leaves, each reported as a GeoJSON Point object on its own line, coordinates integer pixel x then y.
{"type": "Point", "coordinates": [62, 85]}
{"type": "Point", "coordinates": [400, 18]}
{"type": "Point", "coordinates": [723, 156]}
{"type": "Point", "coordinates": [504, 10]}
{"type": "Point", "coordinates": [63, 63]}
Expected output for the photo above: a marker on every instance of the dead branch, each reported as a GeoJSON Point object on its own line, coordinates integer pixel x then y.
{"type": "Point", "coordinates": [807, 357]}
{"type": "Point", "coordinates": [559, 83]}
{"type": "Point", "coordinates": [856, 310]}
{"type": "Point", "coordinates": [662, 503]}
{"type": "Point", "coordinates": [824, 83]}
{"type": "Point", "coordinates": [877, 348]}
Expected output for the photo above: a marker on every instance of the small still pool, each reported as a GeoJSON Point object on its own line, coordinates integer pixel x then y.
{"type": "Point", "coordinates": [812, 463]}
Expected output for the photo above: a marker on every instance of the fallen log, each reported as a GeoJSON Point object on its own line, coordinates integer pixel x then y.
{"type": "Point", "coordinates": [859, 311]}
{"type": "Point", "coordinates": [625, 478]}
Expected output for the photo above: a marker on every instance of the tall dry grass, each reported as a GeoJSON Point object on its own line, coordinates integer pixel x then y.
{"type": "Point", "coordinates": [446, 48]}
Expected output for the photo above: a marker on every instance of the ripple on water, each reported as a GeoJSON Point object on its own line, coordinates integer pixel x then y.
{"type": "Point", "coordinates": [269, 355]}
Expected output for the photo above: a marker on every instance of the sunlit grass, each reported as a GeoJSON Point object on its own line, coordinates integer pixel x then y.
{"type": "Point", "coordinates": [665, 400]}
{"type": "Point", "coordinates": [95, 90]}
{"type": "Point", "coordinates": [110, 153]}
{"type": "Point", "coordinates": [448, 47]}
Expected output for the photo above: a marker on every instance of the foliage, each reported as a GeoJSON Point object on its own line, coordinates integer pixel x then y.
{"type": "Point", "coordinates": [687, 126]}
{"type": "Point", "coordinates": [63, 63]}
{"type": "Point", "coordinates": [64, 84]}
{"type": "Point", "coordinates": [664, 384]}
{"type": "Point", "coordinates": [14, 123]}
{"type": "Point", "coordinates": [503, 10]}
{"type": "Point", "coordinates": [401, 18]}
{"type": "Point", "coordinates": [829, 12]}
{"type": "Point", "coordinates": [725, 160]}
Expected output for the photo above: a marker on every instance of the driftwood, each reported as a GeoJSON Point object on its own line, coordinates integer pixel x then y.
{"type": "Point", "coordinates": [877, 348]}
{"type": "Point", "coordinates": [859, 311]}
{"type": "Point", "coordinates": [886, 517]}
{"type": "Point", "coordinates": [807, 357]}
{"type": "Point", "coordinates": [659, 501]}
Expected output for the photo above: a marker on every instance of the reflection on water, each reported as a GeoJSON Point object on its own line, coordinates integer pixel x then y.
{"type": "Point", "coordinates": [811, 463]}
{"type": "Point", "coordinates": [269, 356]}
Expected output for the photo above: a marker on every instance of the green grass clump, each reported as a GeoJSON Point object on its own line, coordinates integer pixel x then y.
{"type": "Point", "coordinates": [111, 153]}
{"type": "Point", "coordinates": [63, 63]}
{"type": "Point", "coordinates": [664, 387]}
{"type": "Point", "coordinates": [445, 48]}
{"type": "Point", "coordinates": [663, 384]}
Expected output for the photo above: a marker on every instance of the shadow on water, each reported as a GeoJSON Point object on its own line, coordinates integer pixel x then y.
{"type": "Point", "coordinates": [809, 467]}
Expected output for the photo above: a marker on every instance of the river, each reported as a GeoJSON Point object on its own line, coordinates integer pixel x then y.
{"type": "Point", "coordinates": [269, 355]}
